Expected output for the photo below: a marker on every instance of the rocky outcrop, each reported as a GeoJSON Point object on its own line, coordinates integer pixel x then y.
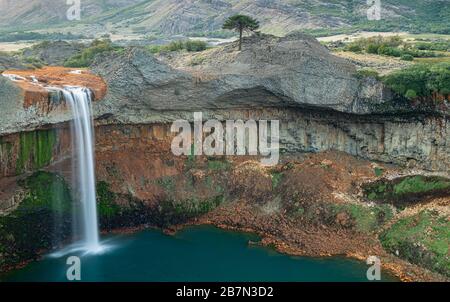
{"type": "Point", "coordinates": [295, 71]}
{"type": "Point", "coordinates": [30, 100]}
{"type": "Point", "coordinates": [53, 53]}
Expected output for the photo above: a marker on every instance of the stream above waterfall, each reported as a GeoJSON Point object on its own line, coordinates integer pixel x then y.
{"type": "Point", "coordinates": [200, 253]}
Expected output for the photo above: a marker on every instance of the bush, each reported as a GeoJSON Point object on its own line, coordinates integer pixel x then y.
{"type": "Point", "coordinates": [423, 79]}
{"type": "Point", "coordinates": [195, 45]}
{"type": "Point", "coordinates": [389, 51]}
{"type": "Point", "coordinates": [86, 57]}
{"type": "Point", "coordinates": [411, 94]}
{"type": "Point", "coordinates": [367, 73]}
{"type": "Point", "coordinates": [407, 57]}
{"type": "Point", "coordinates": [372, 48]}
{"type": "Point", "coordinates": [189, 45]}
{"type": "Point", "coordinates": [174, 46]}
{"type": "Point", "coordinates": [353, 48]}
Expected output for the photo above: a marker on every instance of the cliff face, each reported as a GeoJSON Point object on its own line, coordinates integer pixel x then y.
{"type": "Point", "coordinates": [295, 71]}
{"type": "Point", "coordinates": [320, 101]}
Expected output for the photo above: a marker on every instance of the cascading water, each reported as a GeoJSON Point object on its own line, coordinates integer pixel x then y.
{"type": "Point", "coordinates": [79, 100]}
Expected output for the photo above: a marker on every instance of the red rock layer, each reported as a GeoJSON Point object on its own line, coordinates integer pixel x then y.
{"type": "Point", "coordinates": [56, 76]}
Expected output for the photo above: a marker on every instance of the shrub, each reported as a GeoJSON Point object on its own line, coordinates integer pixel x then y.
{"type": "Point", "coordinates": [407, 57]}
{"type": "Point", "coordinates": [372, 48]}
{"type": "Point", "coordinates": [423, 79]}
{"type": "Point", "coordinates": [189, 45]}
{"type": "Point", "coordinates": [86, 57]}
{"type": "Point", "coordinates": [389, 51]}
{"type": "Point", "coordinates": [195, 45]}
{"type": "Point", "coordinates": [367, 73]}
{"type": "Point", "coordinates": [353, 48]}
{"type": "Point", "coordinates": [174, 46]}
{"type": "Point", "coordinates": [410, 94]}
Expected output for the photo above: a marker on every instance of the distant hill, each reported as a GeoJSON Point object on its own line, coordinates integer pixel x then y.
{"type": "Point", "coordinates": [172, 17]}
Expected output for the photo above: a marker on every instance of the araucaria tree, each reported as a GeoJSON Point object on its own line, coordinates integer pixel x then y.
{"type": "Point", "coordinates": [241, 23]}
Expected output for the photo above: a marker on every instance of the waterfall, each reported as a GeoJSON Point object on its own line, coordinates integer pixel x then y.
{"type": "Point", "coordinates": [79, 100]}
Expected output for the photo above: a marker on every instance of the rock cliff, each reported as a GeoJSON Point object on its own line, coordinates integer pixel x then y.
{"type": "Point", "coordinates": [320, 100]}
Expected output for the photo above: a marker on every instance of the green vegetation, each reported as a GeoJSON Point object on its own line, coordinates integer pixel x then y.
{"type": "Point", "coordinates": [416, 16]}
{"type": "Point", "coordinates": [276, 179]}
{"type": "Point", "coordinates": [378, 172]}
{"type": "Point", "coordinates": [167, 183]}
{"type": "Point", "coordinates": [47, 191]}
{"type": "Point", "coordinates": [41, 220]}
{"type": "Point", "coordinates": [359, 217]}
{"type": "Point", "coordinates": [365, 218]}
{"type": "Point", "coordinates": [31, 36]}
{"type": "Point", "coordinates": [406, 188]}
{"type": "Point", "coordinates": [241, 23]}
{"type": "Point", "coordinates": [219, 34]}
{"type": "Point", "coordinates": [439, 45]}
{"type": "Point", "coordinates": [35, 150]}
{"type": "Point", "coordinates": [189, 45]}
{"type": "Point", "coordinates": [86, 57]}
{"type": "Point", "coordinates": [407, 57]}
{"type": "Point", "coordinates": [420, 80]}
{"type": "Point", "coordinates": [419, 184]}
{"type": "Point", "coordinates": [423, 239]}
{"type": "Point", "coordinates": [107, 208]}
{"type": "Point", "coordinates": [367, 73]}
{"type": "Point", "coordinates": [172, 212]}
{"type": "Point", "coordinates": [390, 46]}
{"type": "Point", "coordinates": [219, 165]}
{"type": "Point", "coordinates": [195, 45]}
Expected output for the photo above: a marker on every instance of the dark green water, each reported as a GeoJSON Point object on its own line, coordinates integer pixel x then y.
{"type": "Point", "coordinates": [196, 254]}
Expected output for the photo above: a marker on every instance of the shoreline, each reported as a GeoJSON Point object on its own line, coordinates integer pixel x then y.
{"type": "Point", "coordinates": [395, 267]}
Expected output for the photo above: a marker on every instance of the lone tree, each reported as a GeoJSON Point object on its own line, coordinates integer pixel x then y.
{"type": "Point", "coordinates": [241, 23]}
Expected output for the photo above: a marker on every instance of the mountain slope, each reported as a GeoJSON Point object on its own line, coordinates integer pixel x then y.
{"type": "Point", "coordinates": [169, 17]}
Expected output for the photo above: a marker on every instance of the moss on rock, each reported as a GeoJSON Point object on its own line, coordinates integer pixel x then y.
{"type": "Point", "coordinates": [41, 221]}
{"type": "Point", "coordinates": [407, 189]}
{"type": "Point", "coordinates": [35, 150]}
{"type": "Point", "coordinates": [172, 212]}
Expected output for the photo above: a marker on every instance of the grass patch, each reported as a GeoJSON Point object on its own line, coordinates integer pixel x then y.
{"type": "Point", "coordinates": [365, 218]}
{"type": "Point", "coordinates": [422, 239]}
{"type": "Point", "coordinates": [219, 165]}
{"type": "Point", "coordinates": [276, 179]}
{"type": "Point", "coordinates": [367, 73]}
{"type": "Point", "coordinates": [407, 189]}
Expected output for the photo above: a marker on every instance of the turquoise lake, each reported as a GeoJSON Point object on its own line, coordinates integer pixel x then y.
{"type": "Point", "coordinates": [200, 253]}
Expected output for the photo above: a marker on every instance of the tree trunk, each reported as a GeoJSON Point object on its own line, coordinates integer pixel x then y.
{"type": "Point", "coordinates": [240, 38]}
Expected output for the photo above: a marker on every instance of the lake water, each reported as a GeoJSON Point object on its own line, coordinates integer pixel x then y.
{"type": "Point", "coordinates": [200, 253]}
